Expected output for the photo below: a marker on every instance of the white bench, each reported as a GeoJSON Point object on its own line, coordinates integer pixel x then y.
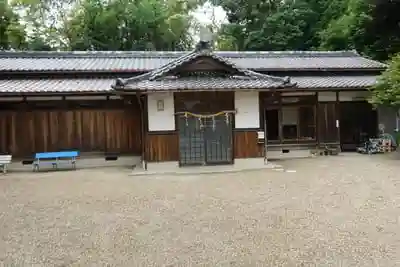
{"type": "Point", "coordinates": [4, 161]}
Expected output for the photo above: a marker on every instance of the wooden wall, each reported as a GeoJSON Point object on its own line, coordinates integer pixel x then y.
{"type": "Point", "coordinates": [24, 132]}
{"type": "Point", "coordinates": [162, 147]}
{"type": "Point", "coordinates": [327, 115]}
{"type": "Point", "coordinates": [165, 146]}
{"type": "Point", "coordinates": [245, 144]}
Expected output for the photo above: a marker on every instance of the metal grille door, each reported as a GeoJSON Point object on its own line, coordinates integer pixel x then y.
{"type": "Point", "coordinates": [205, 141]}
{"type": "Point", "coordinates": [191, 142]}
{"type": "Point", "coordinates": [218, 139]}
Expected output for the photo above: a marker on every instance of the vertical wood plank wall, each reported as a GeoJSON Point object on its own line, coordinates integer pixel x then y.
{"type": "Point", "coordinates": [163, 146]}
{"type": "Point", "coordinates": [327, 116]}
{"type": "Point", "coordinates": [246, 144]}
{"type": "Point", "coordinates": [25, 132]}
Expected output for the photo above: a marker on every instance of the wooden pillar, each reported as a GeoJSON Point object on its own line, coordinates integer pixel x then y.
{"type": "Point", "coordinates": [316, 109]}
{"type": "Point", "coordinates": [280, 117]}
{"type": "Point", "coordinates": [145, 129]}
{"type": "Point", "coordinates": [337, 122]}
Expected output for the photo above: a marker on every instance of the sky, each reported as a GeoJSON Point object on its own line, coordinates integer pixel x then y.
{"type": "Point", "coordinates": [206, 13]}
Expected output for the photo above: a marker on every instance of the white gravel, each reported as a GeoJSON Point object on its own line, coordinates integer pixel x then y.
{"type": "Point", "coordinates": [333, 211]}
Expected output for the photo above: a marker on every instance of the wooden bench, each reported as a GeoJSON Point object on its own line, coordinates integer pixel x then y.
{"type": "Point", "coordinates": [4, 161]}
{"type": "Point", "coordinates": [55, 159]}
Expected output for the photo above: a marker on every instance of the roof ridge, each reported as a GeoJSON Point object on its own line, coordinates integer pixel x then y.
{"type": "Point", "coordinates": [169, 54]}
{"type": "Point", "coordinates": [251, 73]}
{"type": "Point", "coordinates": [90, 54]}
{"type": "Point", "coordinates": [153, 74]}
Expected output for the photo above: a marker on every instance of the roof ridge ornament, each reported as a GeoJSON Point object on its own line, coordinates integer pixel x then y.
{"type": "Point", "coordinates": [206, 39]}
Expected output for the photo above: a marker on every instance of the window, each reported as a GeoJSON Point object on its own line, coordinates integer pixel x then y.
{"type": "Point", "coordinates": [288, 118]}
{"type": "Point", "coordinates": [290, 122]}
{"type": "Point", "coordinates": [298, 123]}
{"type": "Point", "coordinates": [307, 123]}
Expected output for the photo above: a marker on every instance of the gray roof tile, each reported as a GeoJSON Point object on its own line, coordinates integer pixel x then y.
{"type": "Point", "coordinates": [144, 61]}
{"type": "Point", "coordinates": [56, 85]}
{"type": "Point", "coordinates": [27, 86]}
{"type": "Point", "coordinates": [305, 82]}
{"type": "Point", "coordinates": [205, 83]}
{"type": "Point", "coordinates": [334, 82]}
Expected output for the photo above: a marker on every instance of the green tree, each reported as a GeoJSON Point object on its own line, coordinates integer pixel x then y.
{"type": "Point", "coordinates": [382, 32]}
{"type": "Point", "coordinates": [107, 24]}
{"type": "Point", "coordinates": [12, 32]}
{"type": "Point", "coordinates": [274, 24]}
{"type": "Point", "coordinates": [346, 31]}
{"type": "Point", "coordinates": [44, 22]}
{"type": "Point", "coordinates": [372, 27]}
{"type": "Point", "coordinates": [130, 25]}
{"type": "Point", "coordinates": [369, 26]}
{"type": "Point", "coordinates": [387, 90]}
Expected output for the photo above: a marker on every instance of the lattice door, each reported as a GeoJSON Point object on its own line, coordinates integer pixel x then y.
{"type": "Point", "coordinates": [206, 140]}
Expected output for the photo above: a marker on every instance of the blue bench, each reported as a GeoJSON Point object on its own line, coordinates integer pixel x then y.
{"type": "Point", "coordinates": [55, 159]}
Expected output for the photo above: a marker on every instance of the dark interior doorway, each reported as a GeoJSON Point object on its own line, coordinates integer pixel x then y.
{"type": "Point", "coordinates": [358, 121]}
{"type": "Point", "coordinates": [272, 124]}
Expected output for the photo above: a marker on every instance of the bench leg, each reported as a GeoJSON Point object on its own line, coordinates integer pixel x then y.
{"type": "Point", "coordinates": [35, 167]}
{"type": "Point", "coordinates": [73, 162]}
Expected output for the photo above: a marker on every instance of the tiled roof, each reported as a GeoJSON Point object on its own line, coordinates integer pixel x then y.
{"type": "Point", "coordinates": [161, 79]}
{"type": "Point", "coordinates": [334, 82]}
{"type": "Point", "coordinates": [205, 83]}
{"type": "Point", "coordinates": [27, 86]}
{"type": "Point", "coordinates": [136, 61]}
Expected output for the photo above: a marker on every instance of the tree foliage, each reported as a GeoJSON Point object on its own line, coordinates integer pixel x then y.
{"type": "Point", "coordinates": [369, 26]}
{"type": "Point", "coordinates": [268, 25]}
{"type": "Point", "coordinates": [387, 90]}
{"type": "Point", "coordinates": [104, 24]}
{"type": "Point", "coordinates": [130, 25]}
{"type": "Point", "coordinates": [12, 32]}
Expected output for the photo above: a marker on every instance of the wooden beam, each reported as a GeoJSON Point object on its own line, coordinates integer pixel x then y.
{"type": "Point", "coordinates": [280, 117]}
{"type": "Point", "coordinates": [337, 122]}
{"type": "Point", "coordinates": [316, 110]}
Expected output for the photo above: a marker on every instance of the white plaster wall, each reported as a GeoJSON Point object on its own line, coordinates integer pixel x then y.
{"type": "Point", "coordinates": [327, 96]}
{"type": "Point", "coordinates": [248, 110]}
{"type": "Point", "coordinates": [161, 120]}
{"type": "Point", "coordinates": [353, 96]}
{"type": "Point", "coordinates": [343, 96]}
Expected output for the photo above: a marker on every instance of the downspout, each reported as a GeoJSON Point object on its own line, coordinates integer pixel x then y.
{"type": "Point", "coordinates": [142, 131]}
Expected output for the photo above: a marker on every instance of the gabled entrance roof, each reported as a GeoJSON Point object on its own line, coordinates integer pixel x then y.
{"type": "Point", "coordinates": [201, 69]}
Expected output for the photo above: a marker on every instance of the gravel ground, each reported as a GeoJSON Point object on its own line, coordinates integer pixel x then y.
{"type": "Point", "coordinates": [334, 211]}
